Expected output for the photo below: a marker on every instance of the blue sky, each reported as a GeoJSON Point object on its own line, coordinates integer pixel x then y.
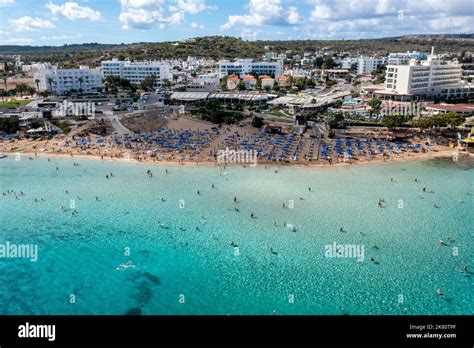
{"type": "Point", "coordinates": [57, 22]}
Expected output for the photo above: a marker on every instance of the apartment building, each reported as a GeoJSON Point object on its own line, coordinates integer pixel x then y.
{"type": "Point", "coordinates": [241, 67]}
{"type": "Point", "coordinates": [136, 72]}
{"type": "Point", "coordinates": [61, 81]}
{"type": "Point", "coordinates": [405, 58]}
{"type": "Point", "coordinates": [365, 64]}
{"type": "Point", "coordinates": [422, 77]}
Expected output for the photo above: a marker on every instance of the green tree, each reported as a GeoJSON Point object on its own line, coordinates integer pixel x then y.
{"type": "Point", "coordinates": [276, 87]}
{"type": "Point", "coordinates": [224, 83]}
{"type": "Point", "coordinates": [454, 119]}
{"type": "Point", "coordinates": [81, 81]}
{"type": "Point", "coordinates": [258, 85]}
{"type": "Point", "coordinates": [37, 82]}
{"type": "Point", "coordinates": [338, 103]}
{"type": "Point", "coordinates": [375, 103]}
{"type": "Point", "coordinates": [50, 84]}
{"type": "Point", "coordinates": [241, 86]}
{"type": "Point", "coordinates": [257, 122]}
{"type": "Point", "coordinates": [392, 121]}
{"type": "Point", "coordinates": [318, 62]}
{"type": "Point", "coordinates": [148, 83]}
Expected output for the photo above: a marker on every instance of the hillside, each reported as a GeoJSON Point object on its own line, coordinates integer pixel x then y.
{"type": "Point", "coordinates": [218, 47]}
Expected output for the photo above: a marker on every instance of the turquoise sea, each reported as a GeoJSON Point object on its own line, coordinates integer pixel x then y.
{"type": "Point", "coordinates": [114, 257]}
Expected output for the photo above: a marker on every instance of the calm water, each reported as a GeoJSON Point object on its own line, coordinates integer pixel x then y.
{"type": "Point", "coordinates": [189, 267]}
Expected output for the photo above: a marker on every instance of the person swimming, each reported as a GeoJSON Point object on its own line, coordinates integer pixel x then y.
{"type": "Point", "coordinates": [237, 210]}
{"type": "Point", "coordinates": [97, 198]}
{"type": "Point", "coordinates": [199, 193]}
{"type": "Point", "coordinates": [436, 206]}
{"type": "Point", "coordinates": [235, 199]}
{"type": "Point", "coordinates": [213, 186]}
{"type": "Point", "coordinates": [442, 242]}
{"type": "Point", "coordinates": [232, 244]}
{"type": "Point", "coordinates": [342, 230]}
{"type": "Point", "coordinates": [252, 215]}
{"type": "Point", "coordinates": [439, 292]}
{"type": "Point", "coordinates": [162, 199]}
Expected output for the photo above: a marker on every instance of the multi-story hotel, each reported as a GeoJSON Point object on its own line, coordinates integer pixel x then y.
{"type": "Point", "coordinates": [368, 64]}
{"type": "Point", "coordinates": [242, 67]}
{"type": "Point", "coordinates": [405, 58]}
{"type": "Point", "coordinates": [60, 81]}
{"type": "Point", "coordinates": [431, 77]}
{"type": "Point", "coordinates": [136, 72]}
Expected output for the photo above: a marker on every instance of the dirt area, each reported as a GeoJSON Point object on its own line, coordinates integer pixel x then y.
{"type": "Point", "coordinates": [144, 124]}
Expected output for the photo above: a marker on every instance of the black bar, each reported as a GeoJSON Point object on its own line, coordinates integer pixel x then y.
{"type": "Point", "coordinates": [290, 330]}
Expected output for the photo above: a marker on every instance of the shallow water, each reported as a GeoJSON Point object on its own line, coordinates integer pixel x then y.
{"type": "Point", "coordinates": [189, 267]}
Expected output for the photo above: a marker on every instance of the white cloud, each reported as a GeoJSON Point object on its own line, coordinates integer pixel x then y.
{"type": "Point", "coordinates": [147, 14]}
{"type": "Point", "coordinates": [190, 6]}
{"type": "Point", "coordinates": [73, 11]}
{"type": "Point", "coordinates": [264, 12]}
{"type": "Point", "coordinates": [60, 37]}
{"type": "Point", "coordinates": [27, 23]}
{"type": "Point", "coordinates": [17, 41]}
{"type": "Point", "coordinates": [150, 14]}
{"type": "Point", "coordinates": [195, 25]}
{"type": "Point", "coordinates": [4, 32]}
{"type": "Point", "coordinates": [378, 18]}
{"type": "Point", "coordinates": [5, 3]}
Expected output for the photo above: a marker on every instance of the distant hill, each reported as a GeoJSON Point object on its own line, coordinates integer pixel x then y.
{"type": "Point", "coordinates": [218, 47]}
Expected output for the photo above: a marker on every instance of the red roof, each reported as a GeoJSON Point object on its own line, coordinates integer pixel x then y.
{"type": "Point", "coordinates": [452, 107]}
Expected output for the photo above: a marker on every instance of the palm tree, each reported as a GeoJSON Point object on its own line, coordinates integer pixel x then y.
{"type": "Point", "coordinates": [37, 85]}
{"type": "Point", "coordinates": [5, 78]}
{"type": "Point", "coordinates": [50, 84]}
{"type": "Point", "coordinates": [81, 81]}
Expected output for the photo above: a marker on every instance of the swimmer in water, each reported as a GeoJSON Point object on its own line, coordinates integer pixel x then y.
{"type": "Point", "coordinates": [442, 242]}
{"type": "Point", "coordinates": [235, 199]}
{"type": "Point", "coordinates": [213, 186]}
{"type": "Point", "coordinates": [440, 293]}
{"type": "Point", "coordinates": [342, 230]}
{"type": "Point", "coordinates": [163, 200]}
{"type": "Point", "coordinates": [435, 205]}
{"type": "Point", "coordinates": [252, 215]}
{"type": "Point", "coordinates": [237, 210]}
{"type": "Point", "coordinates": [232, 243]}
{"type": "Point", "coordinates": [97, 198]}
{"type": "Point", "coordinates": [199, 193]}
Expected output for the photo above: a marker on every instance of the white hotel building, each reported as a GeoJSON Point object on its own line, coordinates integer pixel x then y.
{"type": "Point", "coordinates": [429, 78]}
{"type": "Point", "coordinates": [60, 81]}
{"type": "Point", "coordinates": [241, 67]}
{"type": "Point", "coordinates": [136, 72]}
{"type": "Point", "coordinates": [368, 64]}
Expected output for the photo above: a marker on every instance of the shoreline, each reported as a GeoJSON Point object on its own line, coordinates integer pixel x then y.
{"type": "Point", "coordinates": [354, 163]}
